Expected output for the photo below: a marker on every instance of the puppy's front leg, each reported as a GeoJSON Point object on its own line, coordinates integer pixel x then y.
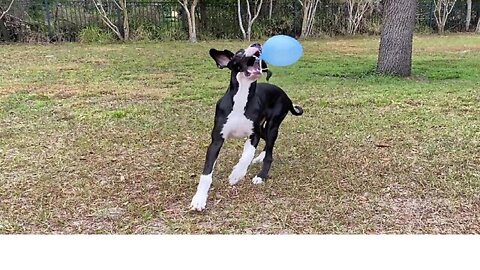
{"type": "Point", "coordinates": [200, 199]}
{"type": "Point", "coordinates": [240, 170]}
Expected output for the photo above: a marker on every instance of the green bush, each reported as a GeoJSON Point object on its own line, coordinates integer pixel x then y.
{"type": "Point", "coordinates": [94, 34]}
{"type": "Point", "coordinates": [141, 34]}
{"type": "Point", "coordinates": [421, 28]}
{"type": "Point", "coordinates": [273, 27]}
{"type": "Point", "coordinates": [163, 32]}
{"type": "Point", "coordinates": [373, 27]}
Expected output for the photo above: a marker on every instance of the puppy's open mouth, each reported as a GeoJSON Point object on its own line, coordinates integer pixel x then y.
{"type": "Point", "coordinates": [254, 69]}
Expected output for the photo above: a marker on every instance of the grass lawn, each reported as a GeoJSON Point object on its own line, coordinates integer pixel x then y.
{"type": "Point", "coordinates": [112, 139]}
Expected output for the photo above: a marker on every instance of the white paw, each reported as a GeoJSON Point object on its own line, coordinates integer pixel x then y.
{"type": "Point", "coordinates": [259, 158]}
{"type": "Point", "coordinates": [257, 180]}
{"type": "Point", "coordinates": [237, 174]}
{"type": "Point", "coordinates": [198, 202]}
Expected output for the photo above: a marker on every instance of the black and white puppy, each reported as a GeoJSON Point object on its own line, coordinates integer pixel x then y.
{"type": "Point", "coordinates": [248, 109]}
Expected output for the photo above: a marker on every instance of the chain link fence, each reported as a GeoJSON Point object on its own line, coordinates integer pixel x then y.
{"type": "Point", "coordinates": [63, 20]}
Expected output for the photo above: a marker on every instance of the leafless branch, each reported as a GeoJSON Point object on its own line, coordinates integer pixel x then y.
{"type": "Point", "coordinates": [8, 9]}
{"type": "Point", "coordinates": [443, 8]}
{"type": "Point", "coordinates": [258, 6]}
{"type": "Point", "coordinates": [105, 19]}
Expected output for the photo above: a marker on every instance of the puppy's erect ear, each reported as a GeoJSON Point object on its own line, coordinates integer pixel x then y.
{"type": "Point", "coordinates": [222, 58]}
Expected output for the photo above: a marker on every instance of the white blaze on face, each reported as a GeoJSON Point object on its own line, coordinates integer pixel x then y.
{"type": "Point", "coordinates": [237, 125]}
{"type": "Point", "coordinates": [250, 51]}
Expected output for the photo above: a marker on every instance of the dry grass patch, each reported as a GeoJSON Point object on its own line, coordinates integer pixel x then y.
{"type": "Point", "coordinates": [112, 139]}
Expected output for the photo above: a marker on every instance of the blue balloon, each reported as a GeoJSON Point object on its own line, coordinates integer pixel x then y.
{"type": "Point", "coordinates": [281, 50]}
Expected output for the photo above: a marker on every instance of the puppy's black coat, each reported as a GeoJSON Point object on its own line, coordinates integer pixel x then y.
{"type": "Point", "coordinates": [248, 109]}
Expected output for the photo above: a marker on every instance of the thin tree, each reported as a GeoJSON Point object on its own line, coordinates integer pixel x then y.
{"type": "Point", "coordinates": [356, 11]}
{"type": "Point", "coordinates": [478, 26]}
{"type": "Point", "coordinates": [270, 10]}
{"type": "Point", "coordinates": [6, 10]}
{"type": "Point", "coordinates": [398, 24]}
{"type": "Point", "coordinates": [469, 15]}
{"type": "Point", "coordinates": [443, 8]}
{"type": "Point", "coordinates": [190, 12]}
{"type": "Point", "coordinates": [309, 9]}
{"type": "Point", "coordinates": [250, 20]}
{"type": "Point", "coordinates": [122, 34]}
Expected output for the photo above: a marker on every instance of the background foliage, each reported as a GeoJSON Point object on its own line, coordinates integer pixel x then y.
{"type": "Point", "coordinates": [64, 20]}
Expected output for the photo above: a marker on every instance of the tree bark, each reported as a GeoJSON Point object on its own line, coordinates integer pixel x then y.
{"type": "Point", "coordinates": [469, 15]}
{"type": "Point", "coordinates": [398, 24]}
{"type": "Point", "coordinates": [478, 26]}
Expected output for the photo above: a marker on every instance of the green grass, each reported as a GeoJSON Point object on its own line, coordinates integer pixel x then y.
{"type": "Point", "coordinates": [112, 139]}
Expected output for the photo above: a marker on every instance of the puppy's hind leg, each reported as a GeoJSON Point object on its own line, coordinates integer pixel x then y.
{"type": "Point", "coordinates": [259, 158]}
{"type": "Point", "coordinates": [263, 135]}
{"type": "Point", "coordinates": [271, 136]}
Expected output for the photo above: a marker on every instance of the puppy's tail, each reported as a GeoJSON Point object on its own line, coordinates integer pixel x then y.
{"type": "Point", "coordinates": [296, 110]}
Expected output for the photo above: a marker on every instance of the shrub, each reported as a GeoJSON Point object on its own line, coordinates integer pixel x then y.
{"type": "Point", "coordinates": [163, 32]}
{"type": "Point", "coordinates": [373, 27]}
{"type": "Point", "coordinates": [273, 27]}
{"type": "Point", "coordinates": [94, 34]}
{"type": "Point", "coordinates": [421, 28]}
{"type": "Point", "coordinates": [141, 34]}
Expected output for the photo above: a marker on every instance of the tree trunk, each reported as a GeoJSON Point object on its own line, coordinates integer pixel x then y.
{"type": "Point", "coordinates": [126, 26]}
{"type": "Point", "coordinates": [193, 28]}
{"type": "Point", "coordinates": [240, 20]}
{"type": "Point", "coordinates": [306, 8]}
{"type": "Point", "coordinates": [250, 21]}
{"type": "Point", "coordinates": [478, 26]}
{"type": "Point", "coordinates": [106, 20]}
{"type": "Point", "coordinates": [309, 8]}
{"type": "Point", "coordinates": [270, 10]}
{"type": "Point", "coordinates": [443, 8]}
{"type": "Point", "coordinates": [469, 15]}
{"type": "Point", "coordinates": [190, 12]}
{"type": "Point", "coordinates": [350, 16]}
{"type": "Point", "coordinates": [441, 28]}
{"type": "Point", "coordinates": [398, 24]}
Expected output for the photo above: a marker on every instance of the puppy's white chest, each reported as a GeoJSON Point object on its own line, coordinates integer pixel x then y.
{"type": "Point", "coordinates": [237, 125]}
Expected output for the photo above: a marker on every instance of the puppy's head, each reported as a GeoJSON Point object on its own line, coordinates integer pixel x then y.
{"type": "Point", "coordinates": [246, 61]}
